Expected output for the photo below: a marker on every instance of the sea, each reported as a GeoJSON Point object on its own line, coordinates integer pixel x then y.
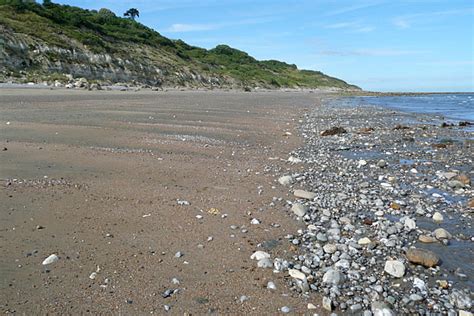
{"type": "Point", "coordinates": [456, 107]}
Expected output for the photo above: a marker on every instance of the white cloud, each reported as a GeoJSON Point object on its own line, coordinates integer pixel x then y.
{"type": "Point", "coordinates": [406, 21]}
{"type": "Point", "coordinates": [354, 7]}
{"type": "Point", "coordinates": [185, 27]}
{"type": "Point", "coordinates": [351, 26]}
{"type": "Point", "coordinates": [341, 25]}
{"type": "Point", "coordinates": [364, 29]}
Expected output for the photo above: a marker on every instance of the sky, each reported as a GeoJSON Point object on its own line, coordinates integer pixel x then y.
{"type": "Point", "coordinates": [379, 45]}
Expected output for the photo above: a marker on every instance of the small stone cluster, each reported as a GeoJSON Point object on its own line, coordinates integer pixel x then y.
{"type": "Point", "coordinates": [381, 207]}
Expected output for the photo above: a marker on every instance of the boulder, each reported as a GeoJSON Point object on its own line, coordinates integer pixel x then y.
{"type": "Point", "coordinates": [333, 131]}
{"type": "Point", "coordinates": [424, 257]}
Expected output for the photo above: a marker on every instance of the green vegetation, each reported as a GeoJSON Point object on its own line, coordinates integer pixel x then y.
{"type": "Point", "coordinates": [102, 32]}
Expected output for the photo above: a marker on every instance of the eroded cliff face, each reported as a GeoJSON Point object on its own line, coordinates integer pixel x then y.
{"type": "Point", "coordinates": [21, 55]}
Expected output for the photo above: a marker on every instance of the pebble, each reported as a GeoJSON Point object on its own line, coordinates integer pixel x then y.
{"type": "Point", "coordinates": [381, 309]}
{"type": "Point", "coordinates": [51, 259]}
{"type": "Point", "coordinates": [327, 303]}
{"type": "Point", "coordinates": [437, 217]}
{"type": "Point", "coordinates": [175, 281]}
{"type": "Point", "coordinates": [311, 306]}
{"type": "Point", "coordinates": [368, 196]}
{"type": "Point", "coordinates": [395, 268]}
{"type": "Point", "coordinates": [265, 263]}
{"type": "Point", "coordinates": [183, 203]}
{"type": "Point", "coordinates": [304, 194]}
{"type": "Point", "coordinates": [93, 275]}
{"type": "Point", "coordinates": [426, 239]}
{"type": "Point", "coordinates": [297, 274]}
{"type": "Point", "coordinates": [294, 160]}
{"type": "Point", "coordinates": [330, 248]}
{"type": "Point", "coordinates": [285, 180]}
{"type": "Point", "coordinates": [254, 221]}
{"type": "Point", "coordinates": [355, 308]}
{"type": "Point", "coordinates": [415, 297]}
{"type": "Point", "coordinates": [299, 209]}
{"type": "Point", "coordinates": [333, 277]}
{"type": "Point", "coordinates": [364, 241]}
{"type": "Point", "coordinates": [259, 255]}
{"type": "Point", "coordinates": [441, 233]}
{"type": "Point", "coordinates": [420, 284]}
{"type": "Point", "coordinates": [409, 223]}
{"type": "Point", "coordinates": [285, 309]}
{"type": "Point", "coordinates": [271, 285]}
{"type": "Point", "coordinates": [460, 300]}
{"type": "Point", "coordinates": [178, 254]}
{"type": "Point", "coordinates": [381, 163]}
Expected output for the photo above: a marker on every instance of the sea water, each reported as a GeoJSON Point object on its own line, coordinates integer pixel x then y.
{"type": "Point", "coordinates": [459, 107]}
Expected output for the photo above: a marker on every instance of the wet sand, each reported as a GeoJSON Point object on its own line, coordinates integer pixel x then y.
{"type": "Point", "coordinates": [95, 177]}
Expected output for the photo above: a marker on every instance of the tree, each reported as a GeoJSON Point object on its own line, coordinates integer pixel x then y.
{"type": "Point", "coordinates": [132, 13]}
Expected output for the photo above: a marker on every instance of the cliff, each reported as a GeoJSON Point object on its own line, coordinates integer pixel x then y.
{"type": "Point", "coordinates": [51, 42]}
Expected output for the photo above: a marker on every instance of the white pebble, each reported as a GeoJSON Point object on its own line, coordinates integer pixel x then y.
{"type": "Point", "coordinates": [51, 259]}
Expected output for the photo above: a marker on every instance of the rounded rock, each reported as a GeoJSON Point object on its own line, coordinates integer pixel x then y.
{"type": "Point", "coordinates": [395, 268]}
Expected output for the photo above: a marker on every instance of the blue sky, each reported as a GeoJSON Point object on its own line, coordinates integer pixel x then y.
{"type": "Point", "coordinates": [380, 45]}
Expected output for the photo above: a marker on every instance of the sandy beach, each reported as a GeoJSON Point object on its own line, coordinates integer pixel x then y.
{"type": "Point", "coordinates": [154, 202]}
{"type": "Point", "coordinates": [103, 179]}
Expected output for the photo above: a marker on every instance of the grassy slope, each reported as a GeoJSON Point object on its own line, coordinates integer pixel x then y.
{"type": "Point", "coordinates": [103, 32]}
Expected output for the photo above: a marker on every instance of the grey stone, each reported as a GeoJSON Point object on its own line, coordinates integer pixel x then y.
{"type": "Point", "coordinates": [285, 180]}
{"type": "Point", "coordinates": [333, 277]}
{"type": "Point", "coordinates": [395, 268]}
{"type": "Point", "coordinates": [327, 303]}
{"type": "Point", "coordinates": [265, 263]}
{"type": "Point", "coordinates": [304, 194]}
{"type": "Point", "coordinates": [381, 309]}
{"type": "Point", "coordinates": [299, 209]}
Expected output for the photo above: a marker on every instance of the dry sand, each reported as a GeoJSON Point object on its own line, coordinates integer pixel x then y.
{"type": "Point", "coordinates": [98, 179]}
